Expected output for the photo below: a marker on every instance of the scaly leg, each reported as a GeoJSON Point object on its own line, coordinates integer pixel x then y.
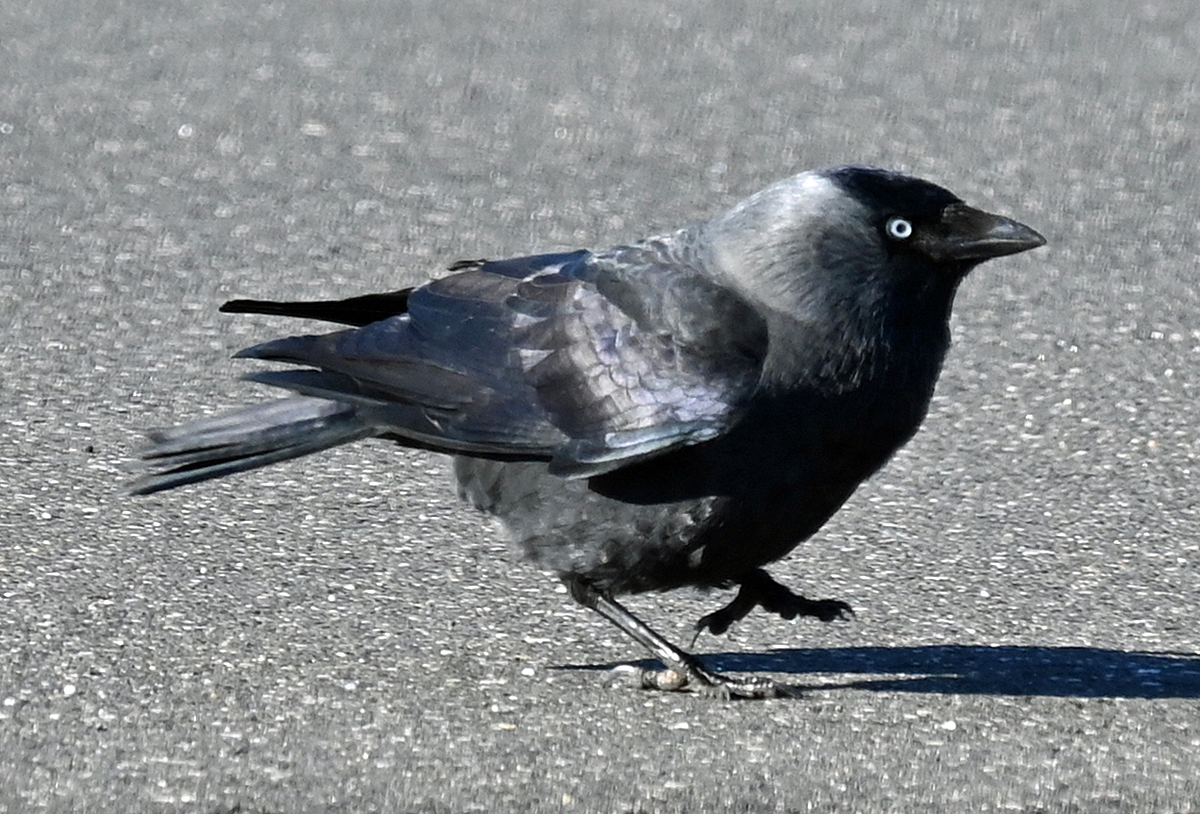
{"type": "Point", "coordinates": [683, 670]}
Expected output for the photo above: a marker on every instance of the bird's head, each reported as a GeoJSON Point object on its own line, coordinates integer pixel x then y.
{"type": "Point", "coordinates": [854, 235]}
{"type": "Point", "coordinates": [855, 270]}
{"type": "Point", "coordinates": [909, 215]}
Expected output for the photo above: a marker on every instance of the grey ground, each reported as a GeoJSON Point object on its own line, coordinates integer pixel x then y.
{"type": "Point", "coordinates": [336, 635]}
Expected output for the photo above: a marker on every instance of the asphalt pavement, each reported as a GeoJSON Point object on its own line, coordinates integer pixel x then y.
{"type": "Point", "coordinates": [337, 635]}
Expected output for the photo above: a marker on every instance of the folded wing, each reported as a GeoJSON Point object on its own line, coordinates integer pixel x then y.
{"type": "Point", "coordinates": [587, 361]}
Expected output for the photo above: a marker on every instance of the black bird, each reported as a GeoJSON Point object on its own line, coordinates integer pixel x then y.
{"type": "Point", "coordinates": [677, 412]}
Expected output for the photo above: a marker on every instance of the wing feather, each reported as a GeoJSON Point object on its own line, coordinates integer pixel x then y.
{"type": "Point", "coordinates": [587, 361]}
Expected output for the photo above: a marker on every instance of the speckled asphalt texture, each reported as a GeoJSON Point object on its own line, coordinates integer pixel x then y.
{"type": "Point", "coordinates": [338, 635]}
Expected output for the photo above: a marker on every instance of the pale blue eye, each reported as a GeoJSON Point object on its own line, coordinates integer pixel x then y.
{"type": "Point", "coordinates": [899, 228]}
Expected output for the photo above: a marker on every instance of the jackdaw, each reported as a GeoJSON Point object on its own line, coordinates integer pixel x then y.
{"type": "Point", "coordinates": [680, 411]}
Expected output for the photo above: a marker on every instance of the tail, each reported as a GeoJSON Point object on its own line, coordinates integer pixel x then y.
{"type": "Point", "coordinates": [247, 439]}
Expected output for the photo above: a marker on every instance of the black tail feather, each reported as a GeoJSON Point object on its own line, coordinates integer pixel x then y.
{"type": "Point", "coordinates": [247, 439]}
{"type": "Point", "coordinates": [357, 311]}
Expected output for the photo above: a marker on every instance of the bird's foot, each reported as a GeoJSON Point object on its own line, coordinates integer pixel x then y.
{"type": "Point", "coordinates": [700, 681]}
{"type": "Point", "coordinates": [759, 589]}
{"type": "Point", "coordinates": [683, 672]}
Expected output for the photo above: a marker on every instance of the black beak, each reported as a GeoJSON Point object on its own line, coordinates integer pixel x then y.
{"type": "Point", "coordinates": [971, 235]}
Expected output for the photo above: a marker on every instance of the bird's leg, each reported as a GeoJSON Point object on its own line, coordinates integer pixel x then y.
{"type": "Point", "coordinates": [683, 670]}
{"type": "Point", "coordinates": [758, 588]}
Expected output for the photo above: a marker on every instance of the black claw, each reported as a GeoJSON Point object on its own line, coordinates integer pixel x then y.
{"type": "Point", "coordinates": [715, 623]}
{"type": "Point", "coordinates": [827, 610]}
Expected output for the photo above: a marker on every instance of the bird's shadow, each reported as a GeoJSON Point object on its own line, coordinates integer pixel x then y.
{"type": "Point", "coordinates": [1079, 672]}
